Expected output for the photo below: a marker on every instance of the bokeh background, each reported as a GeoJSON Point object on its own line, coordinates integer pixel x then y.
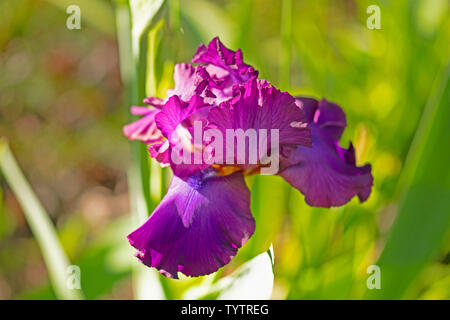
{"type": "Point", "coordinates": [63, 104]}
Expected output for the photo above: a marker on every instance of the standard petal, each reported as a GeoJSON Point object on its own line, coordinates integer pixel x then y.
{"type": "Point", "coordinates": [221, 69]}
{"type": "Point", "coordinates": [232, 62]}
{"type": "Point", "coordinates": [258, 106]}
{"type": "Point", "coordinates": [198, 226]}
{"type": "Point", "coordinates": [189, 80]}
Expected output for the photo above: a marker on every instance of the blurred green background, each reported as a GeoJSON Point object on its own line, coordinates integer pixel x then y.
{"type": "Point", "coordinates": [63, 104]}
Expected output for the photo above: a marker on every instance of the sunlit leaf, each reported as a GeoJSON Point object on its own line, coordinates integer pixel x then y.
{"type": "Point", "coordinates": [143, 185]}
{"type": "Point", "coordinates": [40, 224]}
{"type": "Point", "coordinates": [423, 218]}
{"type": "Point", "coordinates": [194, 12]}
{"type": "Point", "coordinates": [143, 13]}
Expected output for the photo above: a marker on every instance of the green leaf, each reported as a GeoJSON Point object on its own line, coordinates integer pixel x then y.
{"type": "Point", "coordinates": [195, 11]}
{"type": "Point", "coordinates": [153, 41]}
{"type": "Point", "coordinates": [423, 216]}
{"type": "Point", "coordinates": [286, 40]}
{"type": "Point", "coordinates": [40, 224]}
{"type": "Point", "coordinates": [144, 181]}
{"type": "Point", "coordinates": [143, 14]}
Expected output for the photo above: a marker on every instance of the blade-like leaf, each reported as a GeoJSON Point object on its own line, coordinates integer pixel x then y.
{"type": "Point", "coordinates": [423, 218]}
{"type": "Point", "coordinates": [143, 13]}
{"type": "Point", "coordinates": [40, 224]}
{"type": "Point", "coordinates": [286, 38]}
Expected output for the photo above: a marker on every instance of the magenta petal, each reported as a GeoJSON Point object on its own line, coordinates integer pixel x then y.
{"type": "Point", "coordinates": [326, 173]}
{"type": "Point", "coordinates": [189, 81]}
{"type": "Point", "coordinates": [218, 55]}
{"type": "Point", "coordinates": [198, 226]}
{"type": "Point", "coordinates": [222, 69]}
{"type": "Point", "coordinates": [142, 111]}
{"type": "Point", "coordinates": [257, 105]}
{"type": "Point", "coordinates": [176, 112]}
{"type": "Point", "coordinates": [185, 79]}
{"type": "Point", "coordinates": [144, 129]}
{"type": "Point", "coordinates": [160, 152]}
{"type": "Point", "coordinates": [176, 122]}
{"type": "Point", "coordinates": [154, 101]}
{"type": "Point", "coordinates": [327, 115]}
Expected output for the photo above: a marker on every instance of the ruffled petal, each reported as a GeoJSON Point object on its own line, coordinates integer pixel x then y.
{"type": "Point", "coordinates": [198, 226]}
{"type": "Point", "coordinates": [222, 69]}
{"type": "Point", "coordinates": [191, 80]}
{"type": "Point", "coordinates": [160, 152]}
{"type": "Point", "coordinates": [326, 173]}
{"type": "Point", "coordinates": [154, 102]}
{"type": "Point", "coordinates": [176, 122]}
{"type": "Point", "coordinates": [257, 105]}
{"type": "Point", "coordinates": [231, 62]}
{"type": "Point", "coordinates": [184, 76]}
{"type": "Point", "coordinates": [144, 129]}
{"type": "Point", "coordinates": [327, 115]}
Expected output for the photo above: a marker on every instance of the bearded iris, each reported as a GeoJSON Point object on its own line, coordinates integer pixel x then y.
{"type": "Point", "coordinates": [205, 216]}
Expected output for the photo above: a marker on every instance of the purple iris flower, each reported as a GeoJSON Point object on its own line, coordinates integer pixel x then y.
{"type": "Point", "coordinates": [205, 216]}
